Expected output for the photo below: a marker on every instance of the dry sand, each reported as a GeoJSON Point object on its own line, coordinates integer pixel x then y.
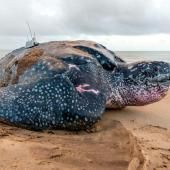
{"type": "Point", "coordinates": [151, 127]}
{"type": "Point", "coordinates": [133, 138]}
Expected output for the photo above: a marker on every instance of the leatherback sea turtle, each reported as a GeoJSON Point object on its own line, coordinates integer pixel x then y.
{"type": "Point", "coordinates": [68, 84]}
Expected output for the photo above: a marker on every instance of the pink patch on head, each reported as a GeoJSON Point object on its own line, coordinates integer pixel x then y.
{"type": "Point", "coordinates": [81, 89]}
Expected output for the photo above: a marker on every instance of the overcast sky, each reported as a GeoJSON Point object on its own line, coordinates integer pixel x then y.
{"type": "Point", "coordinates": [118, 24]}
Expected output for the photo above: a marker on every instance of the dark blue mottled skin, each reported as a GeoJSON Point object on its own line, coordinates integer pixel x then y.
{"type": "Point", "coordinates": [68, 85]}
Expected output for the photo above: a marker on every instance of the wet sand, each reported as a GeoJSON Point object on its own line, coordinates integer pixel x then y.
{"type": "Point", "coordinates": [133, 138]}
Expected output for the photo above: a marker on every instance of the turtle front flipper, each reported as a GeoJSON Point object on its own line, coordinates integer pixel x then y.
{"type": "Point", "coordinates": [52, 103]}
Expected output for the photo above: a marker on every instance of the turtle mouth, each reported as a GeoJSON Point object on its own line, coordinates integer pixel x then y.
{"type": "Point", "coordinates": [163, 79]}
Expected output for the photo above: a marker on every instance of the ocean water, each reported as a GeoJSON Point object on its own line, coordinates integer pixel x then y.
{"type": "Point", "coordinates": [3, 53]}
{"type": "Point", "coordinates": [131, 56]}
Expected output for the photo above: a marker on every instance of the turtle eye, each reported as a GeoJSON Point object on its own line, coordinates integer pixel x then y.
{"type": "Point", "coordinates": [156, 69]}
{"type": "Point", "coordinates": [147, 73]}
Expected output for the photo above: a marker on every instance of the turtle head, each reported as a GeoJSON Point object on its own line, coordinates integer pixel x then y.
{"type": "Point", "coordinates": [142, 83]}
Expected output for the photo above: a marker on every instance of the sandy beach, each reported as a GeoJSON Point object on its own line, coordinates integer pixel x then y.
{"type": "Point", "coordinates": [150, 125]}
{"type": "Point", "coordinates": [133, 138]}
{"type": "Point", "coordinates": [63, 64]}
